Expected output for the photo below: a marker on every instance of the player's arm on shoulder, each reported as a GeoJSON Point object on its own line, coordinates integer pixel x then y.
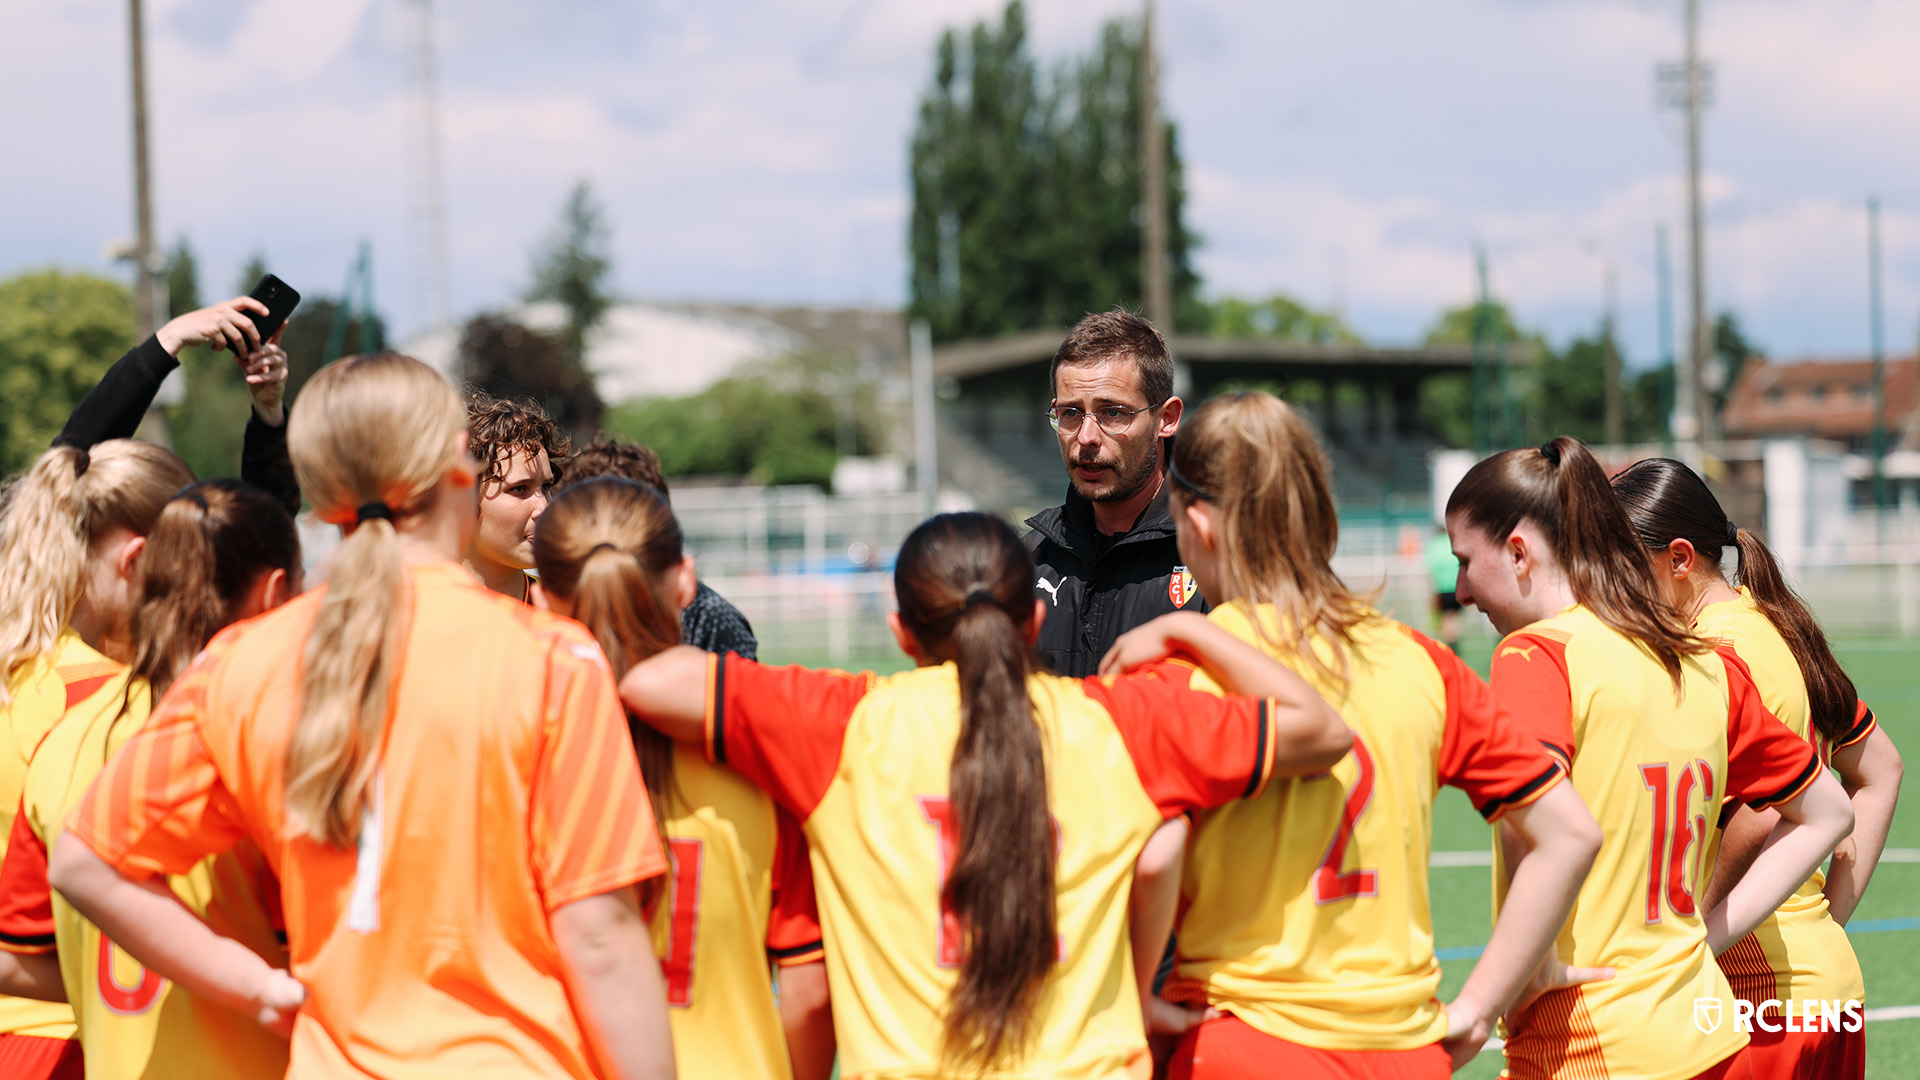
{"type": "Point", "coordinates": [607, 958]}
{"type": "Point", "coordinates": [669, 692]}
{"type": "Point", "coordinates": [1870, 768]}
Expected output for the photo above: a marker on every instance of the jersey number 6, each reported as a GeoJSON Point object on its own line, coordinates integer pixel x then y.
{"type": "Point", "coordinates": [119, 998]}
{"type": "Point", "coordinates": [1329, 883]}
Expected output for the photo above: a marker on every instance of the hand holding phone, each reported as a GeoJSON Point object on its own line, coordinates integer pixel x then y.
{"type": "Point", "coordinates": [278, 299]}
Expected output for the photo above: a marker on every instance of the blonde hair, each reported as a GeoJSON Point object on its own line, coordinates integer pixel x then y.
{"type": "Point", "coordinates": [53, 515]}
{"type": "Point", "coordinates": [1261, 466]}
{"type": "Point", "coordinates": [381, 428]}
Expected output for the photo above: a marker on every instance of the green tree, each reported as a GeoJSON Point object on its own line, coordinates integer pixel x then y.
{"type": "Point", "coordinates": [572, 268]}
{"type": "Point", "coordinates": [1027, 190]}
{"type": "Point", "coordinates": [1277, 317]}
{"type": "Point", "coordinates": [182, 275]}
{"type": "Point", "coordinates": [1733, 349]}
{"type": "Point", "coordinates": [59, 332]}
{"type": "Point", "coordinates": [250, 274]}
{"type": "Point", "coordinates": [511, 361]}
{"type": "Point", "coordinates": [1447, 401]}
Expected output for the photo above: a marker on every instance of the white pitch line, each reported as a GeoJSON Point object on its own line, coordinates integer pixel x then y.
{"type": "Point", "coordinates": [1485, 857]}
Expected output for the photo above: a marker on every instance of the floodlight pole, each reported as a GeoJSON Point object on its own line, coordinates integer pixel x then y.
{"type": "Point", "coordinates": [1879, 356]}
{"type": "Point", "coordinates": [147, 311]}
{"type": "Point", "coordinates": [1701, 342]}
{"type": "Point", "coordinates": [1663, 270]}
{"type": "Point", "coordinates": [1154, 277]}
{"type": "Point", "coordinates": [1616, 421]}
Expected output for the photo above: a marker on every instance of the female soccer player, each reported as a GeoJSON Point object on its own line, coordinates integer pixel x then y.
{"type": "Point", "coordinates": [70, 542]}
{"type": "Point", "coordinates": [1658, 731]}
{"type": "Point", "coordinates": [974, 822]}
{"type": "Point", "coordinates": [221, 551]}
{"type": "Point", "coordinates": [1305, 912]}
{"type": "Point", "coordinates": [740, 892]}
{"type": "Point", "coordinates": [440, 778]}
{"type": "Point", "coordinates": [1800, 953]}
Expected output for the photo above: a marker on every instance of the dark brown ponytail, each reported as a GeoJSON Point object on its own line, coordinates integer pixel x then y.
{"type": "Point", "coordinates": [604, 545]}
{"type": "Point", "coordinates": [1561, 489]}
{"type": "Point", "coordinates": [965, 587]}
{"type": "Point", "coordinates": [206, 550]}
{"type": "Point", "coordinates": [1666, 501]}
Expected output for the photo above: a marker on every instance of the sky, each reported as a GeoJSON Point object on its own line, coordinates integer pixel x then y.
{"type": "Point", "coordinates": [1349, 154]}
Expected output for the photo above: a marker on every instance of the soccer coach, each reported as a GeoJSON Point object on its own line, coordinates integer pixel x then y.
{"type": "Point", "coordinates": [1106, 559]}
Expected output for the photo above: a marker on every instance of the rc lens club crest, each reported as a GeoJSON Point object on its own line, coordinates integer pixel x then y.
{"type": "Point", "coordinates": [1180, 586]}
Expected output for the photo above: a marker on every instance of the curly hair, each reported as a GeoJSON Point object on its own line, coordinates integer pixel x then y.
{"type": "Point", "coordinates": [612, 456]}
{"type": "Point", "coordinates": [497, 430]}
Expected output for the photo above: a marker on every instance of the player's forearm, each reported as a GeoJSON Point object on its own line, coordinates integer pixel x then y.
{"type": "Point", "coordinates": [608, 960]}
{"type": "Point", "coordinates": [1155, 901]}
{"type": "Point", "coordinates": [145, 919]}
{"type": "Point", "coordinates": [806, 1013]}
{"type": "Point", "coordinates": [669, 692]}
{"type": "Point", "coordinates": [1813, 822]}
{"type": "Point", "coordinates": [1741, 841]}
{"type": "Point", "coordinates": [1872, 773]}
{"type": "Point", "coordinates": [1558, 843]}
{"type": "Point", "coordinates": [32, 975]}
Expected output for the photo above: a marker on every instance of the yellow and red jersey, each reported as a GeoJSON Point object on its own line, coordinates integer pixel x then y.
{"type": "Point", "coordinates": [133, 1024]}
{"type": "Point", "coordinates": [42, 689]}
{"type": "Point", "coordinates": [1305, 912]}
{"type": "Point", "coordinates": [1654, 763]}
{"type": "Point", "coordinates": [739, 896]}
{"type": "Point", "coordinates": [863, 763]}
{"type": "Point", "coordinates": [1799, 952]}
{"type": "Point", "coordinates": [507, 788]}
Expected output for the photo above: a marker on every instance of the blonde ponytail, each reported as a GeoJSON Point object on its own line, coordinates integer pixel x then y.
{"type": "Point", "coordinates": [378, 429]}
{"type": "Point", "coordinates": [51, 518]}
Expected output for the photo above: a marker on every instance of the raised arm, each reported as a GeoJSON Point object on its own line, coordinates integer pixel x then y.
{"type": "Point", "coordinates": [1870, 770]}
{"type": "Point", "coordinates": [115, 406]}
{"type": "Point", "coordinates": [669, 692]}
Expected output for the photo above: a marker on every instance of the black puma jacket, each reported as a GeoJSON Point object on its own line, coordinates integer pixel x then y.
{"type": "Point", "coordinates": [1094, 596]}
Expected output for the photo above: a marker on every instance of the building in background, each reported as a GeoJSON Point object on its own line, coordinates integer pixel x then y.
{"type": "Point", "coordinates": [1832, 400]}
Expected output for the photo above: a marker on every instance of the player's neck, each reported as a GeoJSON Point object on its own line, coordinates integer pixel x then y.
{"type": "Point", "coordinates": [505, 580]}
{"type": "Point", "coordinates": [1703, 590]}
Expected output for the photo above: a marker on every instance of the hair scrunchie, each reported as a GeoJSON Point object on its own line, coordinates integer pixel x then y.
{"type": "Point", "coordinates": [82, 463]}
{"type": "Point", "coordinates": [1733, 534]}
{"type": "Point", "coordinates": [369, 511]}
{"type": "Point", "coordinates": [1551, 452]}
{"type": "Point", "coordinates": [978, 595]}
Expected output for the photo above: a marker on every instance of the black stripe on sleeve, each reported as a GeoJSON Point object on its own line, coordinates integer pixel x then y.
{"type": "Point", "coordinates": [719, 711]}
{"type": "Point", "coordinates": [27, 941]}
{"type": "Point", "coordinates": [797, 950]}
{"type": "Point", "coordinates": [1520, 794]}
{"type": "Point", "coordinates": [1856, 732]}
{"type": "Point", "coordinates": [1259, 754]}
{"type": "Point", "coordinates": [1799, 782]}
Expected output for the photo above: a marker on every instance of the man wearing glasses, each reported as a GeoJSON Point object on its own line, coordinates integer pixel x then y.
{"type": "Point", "coordinates": [1106, 559]}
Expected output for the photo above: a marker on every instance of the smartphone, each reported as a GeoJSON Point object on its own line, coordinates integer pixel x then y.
{"type": "Point", "coordinates": [280, 300]}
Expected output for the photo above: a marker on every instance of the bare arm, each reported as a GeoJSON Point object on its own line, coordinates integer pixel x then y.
{"type": "Point", "coordinates": [1812, 822]}
{"type": "Point", "coordinates": [144, 918]}
{"type": "Point", "coordinates": [669, 691]}
{"type": "Point", "coordinates": [806, 1012]}
{"type": "Point", "coordinates": [32, 975]}
{"type": "Point", "coordinates": [607, 956]}
{"type": "Point", "coordinates": [1740, 843]}
{"type": "Point", "coordinates": [1308, 733]}
{"type": "Point", "coordinates": [1555, 841]}
{"type": "Point", "coordinates": [1870, 770]}
{"type": "Point", "coordinates": [1152, 907]}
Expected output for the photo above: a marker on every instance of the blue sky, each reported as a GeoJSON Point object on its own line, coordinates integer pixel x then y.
{"type": "Point", "coordinates": [1348, 153]}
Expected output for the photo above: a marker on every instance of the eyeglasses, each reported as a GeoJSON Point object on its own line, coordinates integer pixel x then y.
{"type": "Point", "coordinates": [1113, 419]}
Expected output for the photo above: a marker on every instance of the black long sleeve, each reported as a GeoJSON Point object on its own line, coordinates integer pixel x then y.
{"type": "Point", "coordinates": [264, 461]}
{"type": "Point", "coordinates": [114, 408]}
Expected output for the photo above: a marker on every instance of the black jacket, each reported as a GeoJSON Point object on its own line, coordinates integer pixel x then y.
{"type": "Point", "coordinates": [117, 404]}
{"type": "Point", "coordinates": [1092, 596]}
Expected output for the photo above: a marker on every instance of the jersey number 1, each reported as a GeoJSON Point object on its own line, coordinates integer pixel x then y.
{"type": "Point", "coordinates": [1675, 832]}
{"type": "Point", "coordinates": [683, 921]}
{"type": "Point", "coordinates": [1329, 883]}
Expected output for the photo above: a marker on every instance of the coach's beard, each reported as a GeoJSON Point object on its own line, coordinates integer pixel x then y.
{"type": "Point", "coordinates": [1121, 487]}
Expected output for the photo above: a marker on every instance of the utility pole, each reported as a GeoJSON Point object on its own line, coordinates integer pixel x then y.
{"type": "Point", "coordinates": [1689, 86]}
{"type": "Point", "coordinates": [1482, 376]}
{"type": "Point", "coordinates": [1609, 344]}
{"type": "Point", "coordinates": [1153, 167]}
{"type": "Point", "coordinates": [429, 223]}
{"type": "Point", "coordinates": [1879, 356]}
{"type": "Point", "coordinates": [926, 465]}
{"type": "Point", "coordinates": [1663, 271]}
{"type": "Point", "coordinates": [147, 311]}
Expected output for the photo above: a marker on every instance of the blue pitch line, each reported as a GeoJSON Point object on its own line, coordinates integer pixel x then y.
{"type": "Point", "coordinates": [1864, 926]}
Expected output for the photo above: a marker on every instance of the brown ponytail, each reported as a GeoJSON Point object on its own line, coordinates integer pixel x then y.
{"type": "Point", "coordinates": [1666, 501]}
{"type": "Point", "coordinates": [604, 544]}
{"type": "Point", "coordinates": [1264, 471]}
{"type": "Point", "coordinates": [51, 518]}
{"type": "Point", "coordinates": [373, 433]}
{"type": "Point", "coordinates": [965, 588]}
{"type": "Point", "coordinates": [211, 543]}
{"type": "Point", "coordinates": [1561, 489]}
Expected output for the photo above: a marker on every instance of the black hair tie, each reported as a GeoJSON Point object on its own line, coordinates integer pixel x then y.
{"type": "Point", "coordinates": [598, 548]}
{"type": "Point", "coordinates": [1191, 488]}
{"type": "Point", "coordinates": [82, 463]}
{"type": "Point", "coordinates": [1733, 534]}
{"type": "Point", "coordinates": [369, 511]}
{"type": "Point", "coordinates": [1551, 451]}
{"type": "Point", "coordinates": [978, 595]}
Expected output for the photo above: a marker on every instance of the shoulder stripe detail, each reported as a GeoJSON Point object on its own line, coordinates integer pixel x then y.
{"type": "Point", "coordinates": [1800, 784]}
{"type": "Point", "coordinates": [716, 710]}
{"type": "Point", "coordinates": [1524, 794]}
{"type": "Point", "coordinates": [1262, 755]}
{"type": "Point", "coordinates": [1858, 731]}
{"type": "Point", "coordinates": [81, 689]}
{"type": "Point", "coordinates": [796, 952]}
{"type": "Point", "coordinates": [25, 942]}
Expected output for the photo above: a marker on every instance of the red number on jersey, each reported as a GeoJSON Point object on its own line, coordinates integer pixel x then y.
{"type": "Point", "coordinates": [119, 998]}
{"type": "Point", "coordinates": [1676, 831]}
{"type": "Point", "coordinates": [939, 814]}
{"type": "Point", "coordinates": [683, 921]}
{"type": "Point", "coordinates": [1329, 884]}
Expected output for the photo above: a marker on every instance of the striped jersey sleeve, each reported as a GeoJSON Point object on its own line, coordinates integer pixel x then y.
{"type": "Point", "coordinates": [593, 827]}
{"type": "Point", "coordinates": [781, 727]}
{"type": "Point", "coordinates": [1482, 752]}
{"type": "Point", "coordinates": [26, 900]}
{"type": "Point", "coordinates": [1767, 764]}
{"type": "Point", "coordinates": [1534, 691]}
{"type": "Point", "coordinates": [1193, 749]}
{"type": "Point", "coordinates": [793, 925]}
{"type": "Point", "coordinates": [1863, 725]}
{"type": "Point", "coordinates": [160, 805]}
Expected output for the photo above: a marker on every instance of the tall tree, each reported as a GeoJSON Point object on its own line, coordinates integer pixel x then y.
{"type": "Point", "coordinates": [571, 269]}
{"type": "Point", "coordinates": [182, 275]}
{"type": "Point", "coordinates": [59, 332]}
{"type": "Point", "coordinates": [508, 360]}
{"type": "Point", "coordinates": [1027, 190]}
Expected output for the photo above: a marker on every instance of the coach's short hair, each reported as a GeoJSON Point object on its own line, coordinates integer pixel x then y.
{"type": "Point", "coordinates": [499, 430]}
{"type": "Point", "coordinates": [610, 456]}
{"type": "Point", "coordinates": [1119, 335]}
